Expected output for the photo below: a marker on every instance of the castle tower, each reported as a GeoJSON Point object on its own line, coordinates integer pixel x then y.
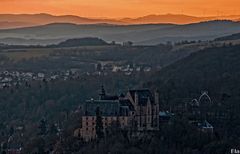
{"type": "Point", "coordinates": [157, 108]}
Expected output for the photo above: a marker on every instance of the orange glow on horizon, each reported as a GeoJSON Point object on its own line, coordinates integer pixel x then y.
{"type": "Point", "coordinates": [121, 8]}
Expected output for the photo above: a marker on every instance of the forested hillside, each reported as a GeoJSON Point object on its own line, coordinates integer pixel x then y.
{"type": "Point", "coordinates": [215, 70]}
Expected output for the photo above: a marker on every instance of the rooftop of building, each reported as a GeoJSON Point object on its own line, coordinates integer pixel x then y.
{"type": "Point", "coordinates": [143, 95]}
{"type": "Point", "coordinates": [116, 105]}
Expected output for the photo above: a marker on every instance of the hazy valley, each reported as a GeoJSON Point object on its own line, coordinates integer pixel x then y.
{"type": "Point", "coordinates": [138, 34]}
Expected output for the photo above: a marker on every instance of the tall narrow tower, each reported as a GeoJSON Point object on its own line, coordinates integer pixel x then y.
{"type": "Point", "coordinates": [102, 93]}
{"type": "Point", "coordinates": [157, 107]}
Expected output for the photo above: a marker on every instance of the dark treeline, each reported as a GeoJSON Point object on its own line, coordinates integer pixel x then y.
{"type": "Point", "coordinates": [68, 43]}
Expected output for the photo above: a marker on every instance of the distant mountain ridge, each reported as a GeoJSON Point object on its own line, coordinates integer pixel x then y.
{"type": "Point", "coordinates": [230, 37]}
{"type": "Point", "coordinates": [168, 18]}
{"type": "Point", "coordinates": [27, 20]}
{"type": "Point", "coordinates": [13, 24]}
{"type": "Point", "coordinates": [148, 34]}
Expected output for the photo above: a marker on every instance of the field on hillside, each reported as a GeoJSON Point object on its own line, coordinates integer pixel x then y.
{"type": "Point", "coordinates": [26, 54]}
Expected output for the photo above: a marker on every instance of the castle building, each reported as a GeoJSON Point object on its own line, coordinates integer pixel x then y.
{"type": "Point", "coordinates": [146, 109]}
{"type": "Point", "coordinates": [138, 110]}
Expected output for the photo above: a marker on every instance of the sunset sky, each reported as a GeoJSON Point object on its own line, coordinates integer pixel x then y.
{"type": "Point", "coordinates": [121, 8]}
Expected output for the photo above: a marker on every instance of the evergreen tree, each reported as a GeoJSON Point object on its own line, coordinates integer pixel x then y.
{"type": "Point", "coordinates": [99, 67]}
{"type": "Point", "coordinates": [11, 131]}
{"type": "Point", "coordinates": [99, 124]}
{"type": "Point", "coordinates": [53, 129]}
{"type": "Point", "coordinates": [42, 127]}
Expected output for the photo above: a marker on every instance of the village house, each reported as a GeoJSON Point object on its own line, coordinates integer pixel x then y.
{"type": "Point", "coordinates": [127, 44]}
{"type": "Point", "coordinates": [205, 126]}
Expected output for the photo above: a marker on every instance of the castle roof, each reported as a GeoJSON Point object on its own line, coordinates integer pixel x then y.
{"type": "Point", "coordinates": [126, 103]}
{"type": "Point", "coordinates": [115, 105]}
{"type": "Point", "coordinates": [107, 107]}
{"type": "Point", "coordinates": [143, 96]}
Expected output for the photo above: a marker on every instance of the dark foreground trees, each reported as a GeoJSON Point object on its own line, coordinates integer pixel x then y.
{"type": "Point", "coordinates": [99, 124]}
